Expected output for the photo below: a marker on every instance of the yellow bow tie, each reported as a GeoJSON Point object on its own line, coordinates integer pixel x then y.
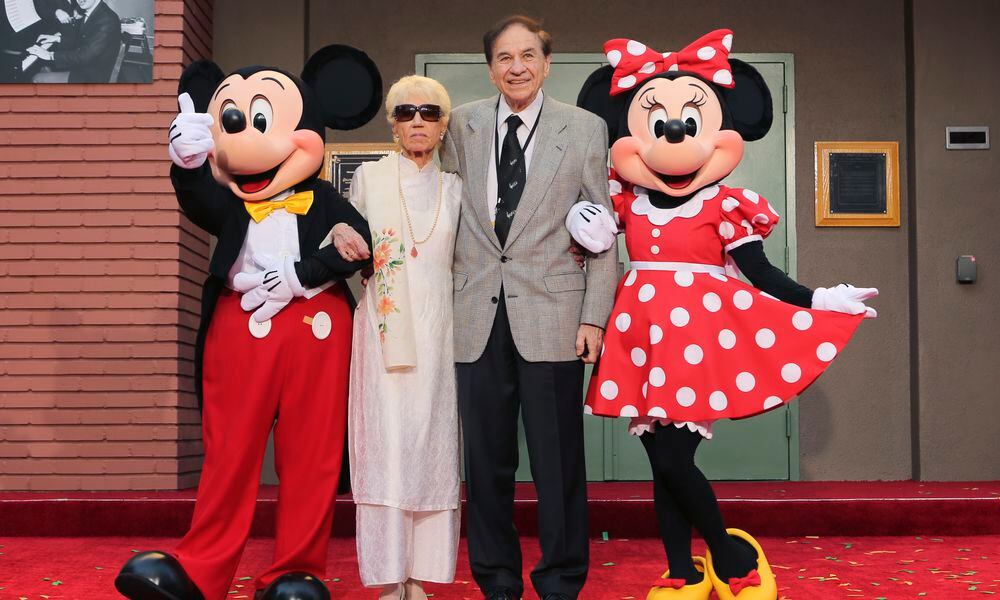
{"type": "Point", "coordinates": [296, 204]}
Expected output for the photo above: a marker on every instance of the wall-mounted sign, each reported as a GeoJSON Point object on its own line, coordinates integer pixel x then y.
{"type": "Point", "coordinates": [341, 160]}
{"type": "Point", "coordinates": [857, 184]}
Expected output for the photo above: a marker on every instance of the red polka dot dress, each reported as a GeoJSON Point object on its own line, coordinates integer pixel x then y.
{"type": "Point", "coordinates": [687, 342]}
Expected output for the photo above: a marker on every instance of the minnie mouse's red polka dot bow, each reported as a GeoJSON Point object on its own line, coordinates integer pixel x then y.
{"type": "Point", "coordinates": [634, 62]}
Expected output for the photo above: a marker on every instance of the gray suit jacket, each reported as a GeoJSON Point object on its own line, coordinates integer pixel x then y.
{"type": "Point", "coordinates": [547, 295]}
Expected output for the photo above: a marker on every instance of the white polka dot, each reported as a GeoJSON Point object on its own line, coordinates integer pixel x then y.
{"type": "Point", "coordinates": [686, 396]}
{"type": "Point", "coordinates": [635, 48]}
{"type": "Point", "coordinates": [771, 402]}
{"type": "Point", "coordinates": [743, 299]}
{"type": "Point", "coordinates": [614, 57]}
{"type": "Point", "coordinates": [647, 68]}
{"type": "Point", "coordinates": [706, 52]}
{"type": "Point", "coordinates": [588, 409]}
{"type": "Point", "coordinates": [674, 67]}
{"type": "Point", "coordinates": [615, 186]}
{"type": "Point", "coordinates": [802, 320]}
{"type": "Point", "coordinates": [609, 389]}
{"type": "Point", "coordinates": [666, 54]}
{"type": "Point", "coordinates": [622, 322]}
{"type": "Point", "coordinates": [627, 82]}
{"type": "Point", "coordinates": [727, 41]}
{"type": "Point", "coordinates": [723, 77]}
{"type": "Point", "coordinates": [729, 204]}
{"type": "Point", "coordinates": [629, 411]}
{"type": "Point", "coordinates": [655, 334]}
{"type": "Point", "coordinates": [646, 292]}
{"type": "Point", "coordinates": [718, 401]}
{"type": "Point", "coordinates": [638, 357]}
{"type": "Point", "coordinates": [693, 354]}
{"type": "Point", "coordinates": [727, 339]}
{"type": "Point", "coordinates": [631, 277]}
{"type": "Point", "coordinates": [657, 412]}
{"type": "Point", "coordinates": [645, 388]}
{"type": "Point", "coordinates": [719, 276]}
{"type": "Point", "coordinates": [791, 372]}
{"type": "Point", "coordinates": [712, 302]}
{"type": "Point", "coordinates": [746, 226]}
{"type": "Point", "coordinates": [655, 249]}
{"type": "Point", "coordinates": [726, 230]}
{"type": "Point", "coordinates": [657, 377]}
{"type": "Point", "coordinates": [771, 208]}
{"type": "Point", "coordinates": [826, 352]}
{"type": "Point", "coordinates": [683, 278]}
{"type": "Point", "coordinates": [745, 381]}
{"type": "Point", "coordinates": [752, 196]}
{"type": "Point", "coordinates": [766, 295]}
{"type": "Point", "coordinates": [765, 338]}
{"type": "Point", "coordinates": [656, 233]}
{"type": "Point", "coordinates": [679, 317]}
{"type": "Point", "coordinates": [761, 219]}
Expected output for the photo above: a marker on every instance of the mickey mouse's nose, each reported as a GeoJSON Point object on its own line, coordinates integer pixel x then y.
{"type": "Point", "coordinates": [675, 131]}
{"type": "Point", "coordinates": [234, 121]}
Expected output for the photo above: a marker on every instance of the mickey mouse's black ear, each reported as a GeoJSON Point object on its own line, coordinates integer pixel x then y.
{"type": "Point", "coordinates": [347, 84]}
{"type": "Point", "coordinates": [595, 96]}
{"type": "Point", "coordinates": [200, 79]}
{"type": "Point", "coordinates": [749, 101]}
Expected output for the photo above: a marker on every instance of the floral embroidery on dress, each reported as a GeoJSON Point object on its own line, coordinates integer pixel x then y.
{"type": "Point", "coordinates": [387, 260]}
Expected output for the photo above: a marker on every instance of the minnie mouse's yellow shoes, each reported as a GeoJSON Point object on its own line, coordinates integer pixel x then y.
{"type": "Point", "coordinates": [759, 584]}
{"type": "Point", "coordinates": [675, 589]}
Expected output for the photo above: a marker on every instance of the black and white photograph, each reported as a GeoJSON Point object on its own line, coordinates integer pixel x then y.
{"type": "Point", "coordinates": [76, 41]}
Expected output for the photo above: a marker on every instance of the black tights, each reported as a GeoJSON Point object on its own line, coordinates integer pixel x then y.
{"type": "Point", "coordinates": [683, 497]}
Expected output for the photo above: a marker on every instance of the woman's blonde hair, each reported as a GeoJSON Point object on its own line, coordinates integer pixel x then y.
{"type": "Point", "coordinates": [418, 85]}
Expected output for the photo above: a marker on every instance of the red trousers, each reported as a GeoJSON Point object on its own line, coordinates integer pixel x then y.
{"type": "Point", "coordinates": [289, 374]}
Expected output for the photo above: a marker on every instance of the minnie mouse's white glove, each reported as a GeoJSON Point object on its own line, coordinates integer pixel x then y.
{"type": "Point", "coordinates": [190, 135]}
{"type": "Point", "coordinates": [845, 299]}
{"type": "Point", "coordinates": [269, 290]}
{"type": "Point", "coordinates": [592, 226]}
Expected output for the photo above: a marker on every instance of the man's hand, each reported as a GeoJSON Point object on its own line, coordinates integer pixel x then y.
{"type": "Point", "coordinates": [62, 16]}
{"type": "Point", "coordinates": [40, 52]}
{"type": "Point", "coordinates": [190, 135]}
{"type": "Point", "coordinates": [349, 243]}
{"type": "Point", "coordinates": [50, 39]}
{"type": "Point", "coordinates": [589, 341]}
{"type": "Point", "coordinates": [578, 255]}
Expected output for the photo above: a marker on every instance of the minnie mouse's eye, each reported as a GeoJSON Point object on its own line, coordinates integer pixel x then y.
{"type": "Point", "coordinates": [261, 115]}
{"type": "Point", "coordinates": [658, 121]}
{"type": "Point", "coordinates": [691, 117]}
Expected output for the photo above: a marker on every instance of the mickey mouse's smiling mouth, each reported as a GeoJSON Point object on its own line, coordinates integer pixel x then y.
{"type": "Point", "coordinates": [677, 182]}
{"type": "Point", "coordinates": [251, 184]}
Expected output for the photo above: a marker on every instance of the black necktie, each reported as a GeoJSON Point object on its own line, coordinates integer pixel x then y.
{"type": "Point", "coordinates": [510, 179]}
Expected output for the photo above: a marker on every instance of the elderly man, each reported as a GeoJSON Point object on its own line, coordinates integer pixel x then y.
{"type": "Point", "coordinates": [526, 317]}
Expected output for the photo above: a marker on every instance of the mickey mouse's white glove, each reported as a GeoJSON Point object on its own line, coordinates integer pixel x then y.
{"type": "Point", "coordinates": [270, 289]}
{"type": "Point", "coordinates": [592, 226]}
{"type": "Point", "coordinates": [190, 135]}
{"type": "Point", "coordinates": [845, 299]}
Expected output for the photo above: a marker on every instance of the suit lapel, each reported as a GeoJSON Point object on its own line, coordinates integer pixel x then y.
{"type": "Point", "coordinates": [478, 153]}
{"type": "Point", "coordinates": [545, 159]}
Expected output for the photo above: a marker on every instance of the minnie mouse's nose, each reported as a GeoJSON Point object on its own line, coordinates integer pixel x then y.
{"type": "Point", "coordinates": [675, 131]}
{"type": "Point", "coordinates": [234, 121]}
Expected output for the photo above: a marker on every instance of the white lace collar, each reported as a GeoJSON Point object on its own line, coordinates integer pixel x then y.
{"type": "Point", "coordinates": [661, 216]}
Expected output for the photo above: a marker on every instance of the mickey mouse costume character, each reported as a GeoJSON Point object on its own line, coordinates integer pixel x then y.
{"type": "Point", "coordinates": [262, 131]}
{"type": "Point", "coordinates": [688, 343]}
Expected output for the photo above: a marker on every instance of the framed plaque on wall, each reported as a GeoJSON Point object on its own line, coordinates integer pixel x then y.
{"type": "Point", "coordinates": [857, 184]}
{"type": "Point", "coordinates": [341, 160]}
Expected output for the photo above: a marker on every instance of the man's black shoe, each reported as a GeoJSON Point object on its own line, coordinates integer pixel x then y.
{"type": "Point", "coordinates": [502, 594]}
{"type": "Point", "coordinates": [296, 585]}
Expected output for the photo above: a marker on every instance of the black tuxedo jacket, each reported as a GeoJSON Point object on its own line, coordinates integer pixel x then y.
{"type": "Point", "coordinates": [89, 50]}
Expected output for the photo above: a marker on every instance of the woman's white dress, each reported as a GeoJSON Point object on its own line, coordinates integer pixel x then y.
{"type": "Point", "coordinates": [403, 428]}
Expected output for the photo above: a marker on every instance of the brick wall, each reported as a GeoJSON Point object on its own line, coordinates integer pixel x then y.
{"type": "Point", "coordinates": [100, 280]}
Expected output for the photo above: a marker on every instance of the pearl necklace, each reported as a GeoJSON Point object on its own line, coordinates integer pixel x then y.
{"type": "Point", "coordinates": [409, 222]}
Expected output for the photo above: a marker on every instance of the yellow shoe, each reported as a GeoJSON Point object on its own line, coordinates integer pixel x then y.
{"type": "Point", "coordinates": [675, 589]}
{"type": "Point", "coordinates": [758, 585]}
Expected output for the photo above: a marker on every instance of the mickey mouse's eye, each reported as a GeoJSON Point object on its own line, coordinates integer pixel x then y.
{"type": "Point", "coordinates": [231, 118]}
{"type": "Point", "coordinates": [261, 115]}
{"type": "Point", "coordinates": [658, 121]}
{"type": "Point", "coordinates": [691, 117]}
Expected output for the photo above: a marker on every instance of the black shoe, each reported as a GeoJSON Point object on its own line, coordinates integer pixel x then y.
{"type": "Point", "coordinates": [155, 576]}
{"type": "Point", "coordinates": [296, 586]}
{"type": "Point", "coordinates": [502, 594]}
{"type": "Point", "coordinates": [556, 597]}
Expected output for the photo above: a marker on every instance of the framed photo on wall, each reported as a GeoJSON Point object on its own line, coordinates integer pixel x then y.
{"type": "Point", "coordinates": [341, 160]}
{"type": "Point", "coordinates": [857, 184]}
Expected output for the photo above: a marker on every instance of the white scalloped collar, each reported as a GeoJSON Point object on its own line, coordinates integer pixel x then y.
{"type": "Point", "coordinates": [661, 216]}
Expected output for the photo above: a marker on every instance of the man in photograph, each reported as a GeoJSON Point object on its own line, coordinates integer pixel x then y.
{"type": "Point", "coordinates": [85, 52]}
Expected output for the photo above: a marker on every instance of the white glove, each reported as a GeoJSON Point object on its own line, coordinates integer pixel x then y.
{"type": "Point", "coordinates": [592, 226]}
{"type": "Point", "coordinates": [845, 299]}
{"type": "Point", "coordinates": [190, 136]}
{"type": "Point", "coordinates": [269, 290]}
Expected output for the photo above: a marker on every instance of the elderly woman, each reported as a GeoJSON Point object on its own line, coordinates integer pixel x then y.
{"type": "Point", "coordinates": [404, 438]}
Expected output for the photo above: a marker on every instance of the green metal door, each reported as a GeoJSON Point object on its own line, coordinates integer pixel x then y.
{"type": "Point", "coordinates": [764, 447]}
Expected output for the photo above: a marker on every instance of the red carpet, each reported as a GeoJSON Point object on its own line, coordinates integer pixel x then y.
{"type": "Point", "coordinates": [808, 568]}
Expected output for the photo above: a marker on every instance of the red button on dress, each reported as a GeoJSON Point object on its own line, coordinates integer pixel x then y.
{"type": "Point", "coordinates": [694, 344]}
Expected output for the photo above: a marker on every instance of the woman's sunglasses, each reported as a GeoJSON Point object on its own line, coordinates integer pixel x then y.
{"type": "Point", "coordinates": [406, 112]}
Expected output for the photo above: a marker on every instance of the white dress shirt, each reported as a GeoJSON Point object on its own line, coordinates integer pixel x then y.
{"type": "Point", "coordinates": [528, 118]}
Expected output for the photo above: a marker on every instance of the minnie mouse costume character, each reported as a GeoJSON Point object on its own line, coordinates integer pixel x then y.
{"type": "Point", "coordinates": [286, 365]}
{"type": "Point", "coordinates": [688, 343]}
